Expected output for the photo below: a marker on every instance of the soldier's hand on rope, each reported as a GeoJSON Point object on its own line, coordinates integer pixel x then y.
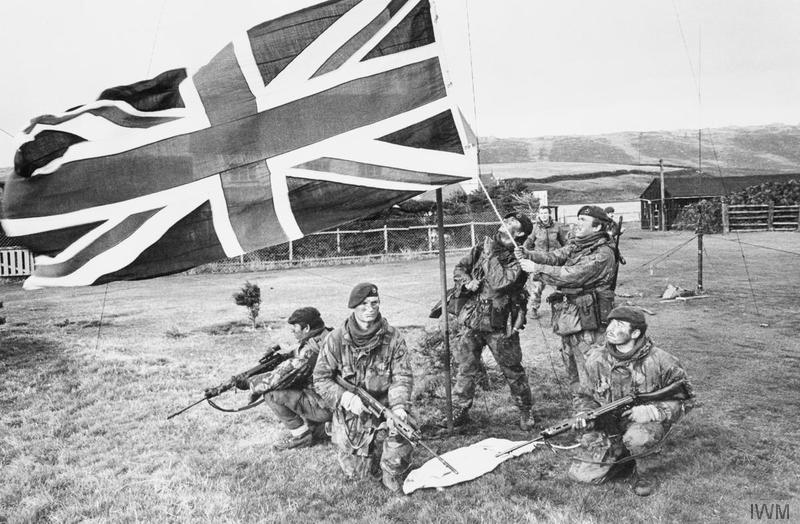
{"type": "Point", "coordinates": [211, 392]}
{"type": "Point", "coordinates": [520, 252]}
{"type": "Point", "coordinates": [643, 413]}
{"type": "Point", "coordinates": [528, 266]}
{"type": "Point", "coordinates": [352, 403]}
{"type": "Point", "coordinates": [473, 284]}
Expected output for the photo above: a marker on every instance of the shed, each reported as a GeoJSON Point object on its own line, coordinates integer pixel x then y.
{"type": "Point", "coordinates": [681, 190]}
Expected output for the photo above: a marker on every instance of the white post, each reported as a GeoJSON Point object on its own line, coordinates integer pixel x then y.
{"type": "Point", "coordinates": [472, 233]}
{"type": "Point", "coordinates": [385, 238]}
{"type": "Point", "coordinates": [430, 240]}
{"type": "Point", "coordinates": [338, 241]}
{"type": "Point", "coordinates": [291, 251]}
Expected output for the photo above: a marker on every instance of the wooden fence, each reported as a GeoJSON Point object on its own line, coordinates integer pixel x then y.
{"type": "Point", "coordinates": [745, 217]}
{"type": "Point", "coordinates": [15, 261]}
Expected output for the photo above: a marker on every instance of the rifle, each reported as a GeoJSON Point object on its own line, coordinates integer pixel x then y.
{"type": "Point", "coordinates": [620, 404]}
{"type": "Point", "coordinates": [620, 258]}
{"type": "Point", "coordinates": [378, 410]}
{"type": "Point", "coordinates": [268, 362]}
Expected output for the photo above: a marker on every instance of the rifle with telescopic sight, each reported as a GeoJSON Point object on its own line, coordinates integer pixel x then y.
{"type": "Point", "coordinates": [268, 362]}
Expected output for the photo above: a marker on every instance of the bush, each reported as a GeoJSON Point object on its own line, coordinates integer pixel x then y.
{"type": "Point", "coordinates": [249, 297]}
{"type": "Point", "coordinates": [704, 217]}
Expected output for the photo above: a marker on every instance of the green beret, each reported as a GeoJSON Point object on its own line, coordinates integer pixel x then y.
{"type": "Point", "coordinates": [360, 292]}
{"type": "Point", "coordinates": [595, 212]}
{"type": "Point", "coordinates": [308, 316]}
{"type": "Point", "coordinates": [634, 316]}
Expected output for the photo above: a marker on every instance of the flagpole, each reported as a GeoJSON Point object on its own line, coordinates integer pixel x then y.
{"type": "Point", "coordinates": [445, 315]}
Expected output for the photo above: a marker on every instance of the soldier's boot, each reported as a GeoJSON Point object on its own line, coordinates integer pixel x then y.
{"type": "Point", "coordinates": [392, 483]}
{"type": "Point", "coordinates": [306, 440]}
{"type": "Point", "coordinates": [642, 483]}
{"type": "Point", "coordinates": [526, 420]}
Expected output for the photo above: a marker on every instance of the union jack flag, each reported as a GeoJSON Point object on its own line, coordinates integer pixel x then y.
{"type": "Point", "coordinates": [300, 124]}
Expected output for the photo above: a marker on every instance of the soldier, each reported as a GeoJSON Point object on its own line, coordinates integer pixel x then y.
{"type": "Point", "coordinates": [367, 352]}
{"type": "Point", "coordinates": [492, 315]}
{"type": "Point", "coordinates": [583, 272]}
{"type": "Point", "coordinates": [629, 362]}
{"type": "Point", "coordinates": [288, 390]}
{"type": "Point", "coordinates": [547, 236]}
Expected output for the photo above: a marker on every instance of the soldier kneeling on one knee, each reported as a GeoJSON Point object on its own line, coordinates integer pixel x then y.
{"type": "Point", "coordinates": [628, 363]}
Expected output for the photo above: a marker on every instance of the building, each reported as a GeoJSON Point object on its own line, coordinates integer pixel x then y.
{"type": "Point", "coordinates": [681, 190]}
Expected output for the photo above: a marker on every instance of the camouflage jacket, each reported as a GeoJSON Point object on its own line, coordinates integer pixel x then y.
{"type": "Point", "coordinates": [546, 237]}
{"type": "Point", "coordinates": [501, 295]}
{"type": "Point", "coordinates": [573, 266]}
{"type": "Point", "coordinates": [301, 365]}
{"type": "Point", "coordinates": [649, 369]}
{"type": "Point", "coordinates": [385, 372]}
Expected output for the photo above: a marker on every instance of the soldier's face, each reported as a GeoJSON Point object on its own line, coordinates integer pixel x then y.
{"type": "Point", "coordinates": [585, 226]}
{"type": "Point", "coordinates": [619, 332]}
{"type": "Point", "coordinates": [368, 310]}
{"type": "Point", "coordinates": [298, 331]}
{"type": "Point", "coordinates": [544, 214]}
{"type": "Point", "coordinates": [514, 227]}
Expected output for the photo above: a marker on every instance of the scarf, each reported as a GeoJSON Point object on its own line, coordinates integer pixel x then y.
{"type": "Point", "coordinates": [588, 241]}
{"type": "Point", "coordinates": [364, 340]}
{"type": "Point", "coordinates": [505, 254]}
{"type": "Point", "coordinates": [641, 347]}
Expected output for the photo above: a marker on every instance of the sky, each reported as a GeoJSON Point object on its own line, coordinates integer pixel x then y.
{"type": "Point", "coordinates": [524, 67]}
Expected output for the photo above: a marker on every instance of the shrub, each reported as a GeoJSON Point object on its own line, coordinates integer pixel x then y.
{"type": "Point", "coordinates": [704, 217]}
{"type": "Point", "coordinates": [249, 297]}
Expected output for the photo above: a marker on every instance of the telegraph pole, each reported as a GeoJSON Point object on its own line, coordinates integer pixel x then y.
{"type": "Point", "coordinates": [663, 200]}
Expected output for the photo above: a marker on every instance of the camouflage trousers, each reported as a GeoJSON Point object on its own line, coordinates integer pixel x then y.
{"type": "Point", "coordinates": [363, 452]}
{"type": "Point", "coordinates": [599, 456]}
{"type": "Point", "coordinates": [574, 349]}
{"type": "Point", "coordinates": [535, 289]}
{"type": "Point", "coordinates": [508, 355]}
{"type": "Point", "coordinates": [295, 407]}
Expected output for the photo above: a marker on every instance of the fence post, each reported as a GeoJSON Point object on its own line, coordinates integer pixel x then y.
{"type": "Point", "coordinates": [726, 221]}
{"type": "Point", "coordinates": [291, 251]}
{"type": "Point", "coordinates": [338, 240]}
{"type": "Point", "coordinates": [472, 233]}
{"type": "Point", "coordinates": [430, 239]}
{"type": "Point", "coordinates": [385, 238]}
{"type": "Point", "coordinates": [770, 216]}
{"type": "Point", "coordinates": [798, 217]}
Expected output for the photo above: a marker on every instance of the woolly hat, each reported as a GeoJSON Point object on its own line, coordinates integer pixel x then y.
{"type": "Point", "coordinates": [525, 222]}
{"type": "Point", "coordinates": [308, 316]}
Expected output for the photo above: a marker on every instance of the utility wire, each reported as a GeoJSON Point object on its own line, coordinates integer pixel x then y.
{"type": "Point", "coordinates": [155, 37]}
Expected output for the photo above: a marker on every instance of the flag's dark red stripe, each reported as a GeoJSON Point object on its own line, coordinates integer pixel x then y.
{"type": "Point", "coordinates": [223, 89]}
{"type": "Point", "coordinates": [376, 172]}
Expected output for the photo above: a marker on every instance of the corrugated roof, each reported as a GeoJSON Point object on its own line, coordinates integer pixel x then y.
{"type": "Point", "coordinates": [677, 186]}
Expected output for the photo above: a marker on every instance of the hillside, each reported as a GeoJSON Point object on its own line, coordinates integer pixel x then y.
{"type": "Point", "coordinates": [773, 148]}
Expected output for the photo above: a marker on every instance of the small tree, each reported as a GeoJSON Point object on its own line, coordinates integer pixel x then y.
{"type": "Point", "coordinates": [249, 297]}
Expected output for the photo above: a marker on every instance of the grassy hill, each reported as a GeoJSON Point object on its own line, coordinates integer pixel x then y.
{"type": "Point", "coordinates": [773, 148]}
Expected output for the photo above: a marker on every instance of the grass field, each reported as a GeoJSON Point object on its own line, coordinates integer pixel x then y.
{"type": "Point", "coordinates": [88, 376]}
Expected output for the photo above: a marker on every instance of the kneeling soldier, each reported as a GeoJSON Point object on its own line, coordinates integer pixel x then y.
{"type": "Point", "coordinates": [369, 353]}
{"type": "Point", "coordinates": [288, 389]}
{"type": "Point", "coordinates": [628, 363]}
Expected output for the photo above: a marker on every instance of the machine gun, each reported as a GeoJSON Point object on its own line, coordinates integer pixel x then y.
{"type": "Point", "coordinates": [379, 411]}
{"type": "Point", "coordinates": [268, 362]}
{"type": "Point", "coordinates": [621, 404]}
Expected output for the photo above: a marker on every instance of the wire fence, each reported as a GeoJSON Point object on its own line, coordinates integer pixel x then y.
{"type": "Point", "coordinates": [398, 239]}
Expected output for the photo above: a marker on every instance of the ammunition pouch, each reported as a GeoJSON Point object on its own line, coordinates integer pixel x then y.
{"type": "Point", "coordinates": [565, 317]}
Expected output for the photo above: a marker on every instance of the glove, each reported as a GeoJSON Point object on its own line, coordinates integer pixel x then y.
{"type": "Point", "coordinates": [528, 266]}
{"type": "Point", "coordinates": [643, 413]}
{"type": "Point", "coordinates": [352, 403]}
{"type": "Point", "coordinates": [473, 284]}
{"type": "Point", "coordinates": [241, 381]}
